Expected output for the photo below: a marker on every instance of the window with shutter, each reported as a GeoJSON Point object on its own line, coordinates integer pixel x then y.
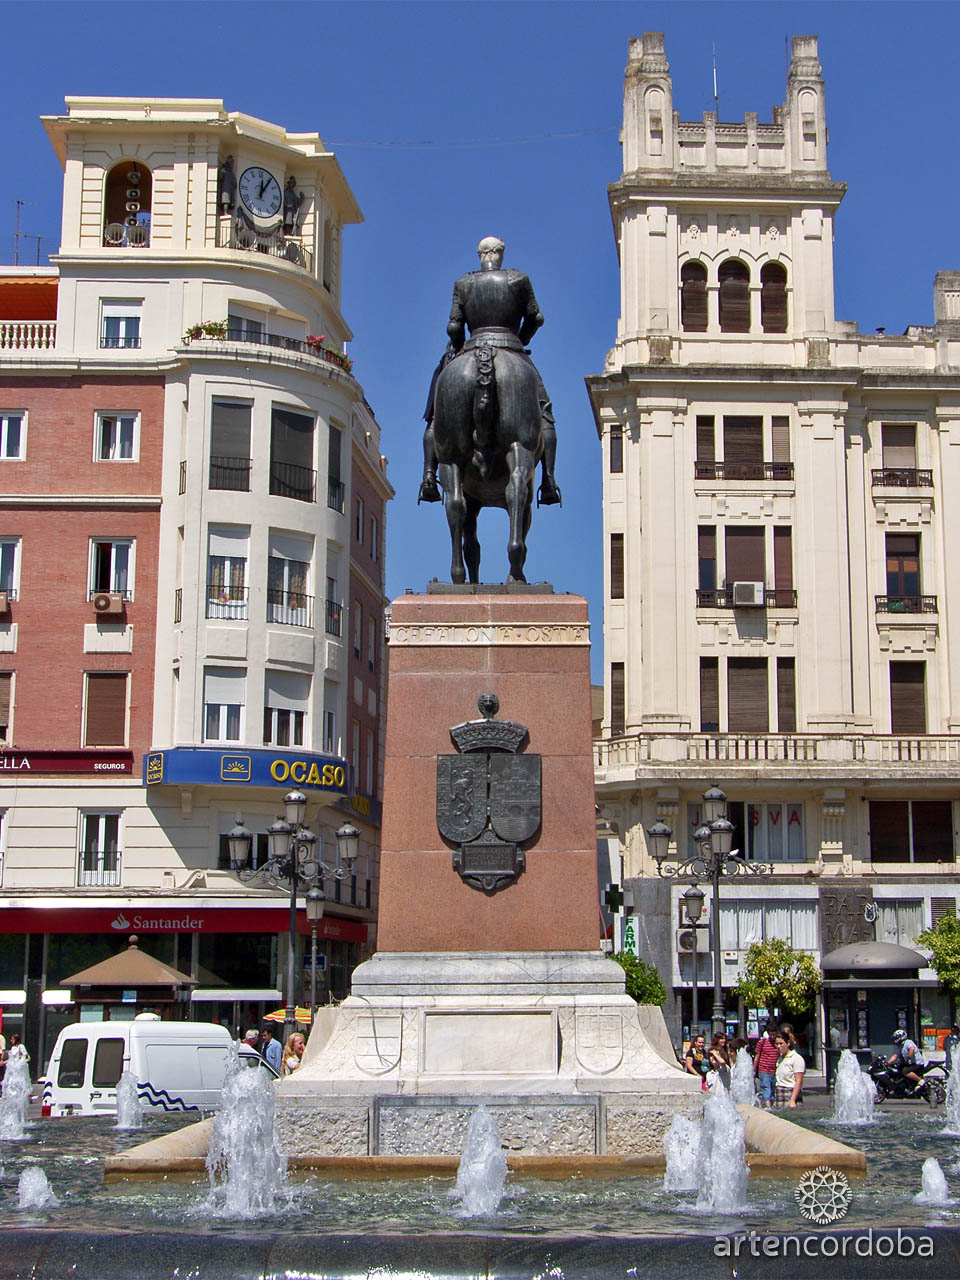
{"type": "Point", "coordinates": [6, 686]}
{"type": "Point", "coordinates": [907, 697]}
{"type": "Point", "coordinates": [734, 280]}
{"type": "Point", "coordinates": [773, 298]}
{"type": "Point", "coordinates": [707, 557]}
{"type": "Point", "coordinates": [744, 554]}
{"type": "Point", "coordinates": [292, 455]}
{"type": "Point", "coordinates": [618, 704]}
{"type": "Point", "coordinates": [783, 566]}
{"type": "Point", "coordinates": [709, 695]}
{"type": "Point", "coordinates": [706, 446]}
{"type": "Point", "coordinates": [616, 449]}
{"type": "Point", "coordinates": [693, 297]}
{"type": "Point", "coordinates": [903, 565]}
{"type": "Point", "coordinates": [786, 695]}
{"type": "Point", "coordinates": [106, 719]}
{"type": "Point", "coordinates": [899, 445]}
{"type": "Point", "coordinates": [742, 448]}
{"type": "Point", "coordinates": [931, 830]}
{"type": "Point", "coordinates": [230, 446]}
{"type": "Point", "coordinates": [747, 703]}
{"type": "Point", "coordinates": [940, 907]}
{"type": "Point", "coordinates": [889, 831]}
{"type": "Point", "coordinates": [780, 438]}
{"type": "Point", "coordinates": [616, 566]}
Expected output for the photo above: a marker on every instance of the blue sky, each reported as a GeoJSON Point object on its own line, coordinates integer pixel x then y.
{"type": "Point", "coordinates": [376, 78]}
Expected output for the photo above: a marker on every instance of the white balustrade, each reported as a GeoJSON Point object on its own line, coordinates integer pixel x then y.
{"type": "Point", "coordinates": [27, 335]}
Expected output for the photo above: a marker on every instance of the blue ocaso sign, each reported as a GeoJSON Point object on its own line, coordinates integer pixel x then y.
{"type": "Point", "coordinates": [213, 767]}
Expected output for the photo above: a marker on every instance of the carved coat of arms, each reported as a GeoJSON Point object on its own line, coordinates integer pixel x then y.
{"type": "Point", "coordinates": [488, 798]}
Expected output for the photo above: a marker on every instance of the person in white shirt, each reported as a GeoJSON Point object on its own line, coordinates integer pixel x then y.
{"type": "Point", "coordinates": [790, 1069]}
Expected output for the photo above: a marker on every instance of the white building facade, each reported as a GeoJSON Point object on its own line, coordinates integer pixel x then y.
{"type": "Point", "coordinates": [200, 259]}
{"type": "Point", "coordinates": [781, 608]}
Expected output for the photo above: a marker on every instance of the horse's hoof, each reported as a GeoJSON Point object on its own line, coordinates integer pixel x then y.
{"type": "Point", "coordinates": [458, 578]}
{"type": "Point", "coordinates": [429, 492]}
{"type": "Point", "coordinates": [513, 578]}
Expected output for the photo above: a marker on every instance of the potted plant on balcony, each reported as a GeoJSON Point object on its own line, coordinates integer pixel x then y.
{"type": "Point", "coordinates": [206, 329]}
{"type": "Point", "coordinates": [321, 348]}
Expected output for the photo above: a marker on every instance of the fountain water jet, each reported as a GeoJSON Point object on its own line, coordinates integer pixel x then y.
{"type": "Point", "coordinates": [722, 1170]}
{"type": "Point", "coordinates": [681, 1147]}
{"type": "Point", "coordinates": [853, 1092]}
{"type": "Point", "coordinates": [483, 1166]}
{"type": "Point", "coordinates": [743, 1087]}
{"type": "Point", "coordinates": [247, 1172]}
{"type": "Point", "coordinates": [934, 1189]}
{"type": "Point", "coordinates": [15, 1100]}
{"type": "Point", "coordinates": [129, 1106]}
{"type": "Point", "coordinates": [34, 1190]}
{"type": "Point", "coordinates": [952, 1108]}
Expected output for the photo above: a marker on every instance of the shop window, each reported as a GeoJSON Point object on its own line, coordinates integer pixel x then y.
{"type": "Point", "coordinates": [911, 831]}
{"type": "Point", "coordinates": [693, 297]}
{"type": "Point", "coordinates": [734, 296]}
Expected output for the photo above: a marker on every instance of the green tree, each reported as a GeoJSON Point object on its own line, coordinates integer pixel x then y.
{"type": "Point", "coordinates": [943, 941]}
{"type": "Point", "coordinates": [644, 984]}
{"type": "Point", "coordinates": [778, 978]}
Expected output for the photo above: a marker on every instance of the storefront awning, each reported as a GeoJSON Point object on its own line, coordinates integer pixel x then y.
{"type": "Point", "coordinates": [131, 969]}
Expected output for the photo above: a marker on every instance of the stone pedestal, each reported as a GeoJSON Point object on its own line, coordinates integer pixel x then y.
{"type": "Point", "coordinates": [503, 996]}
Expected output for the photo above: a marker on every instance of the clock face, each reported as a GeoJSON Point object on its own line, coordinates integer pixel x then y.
{"type": "Point", "coordinates": [260, 192]}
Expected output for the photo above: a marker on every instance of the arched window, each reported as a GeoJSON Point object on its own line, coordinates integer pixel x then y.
{"type": "Point", "coordinates": [693, 297]}
{"type": "Point", "coordinates": [126, 205]}
{"type": "Point", "coordinates": [773, 298]}
{"type": "Point", "coordinates": [734, 279]}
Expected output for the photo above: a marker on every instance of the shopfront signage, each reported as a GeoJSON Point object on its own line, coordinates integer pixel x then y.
{"type": "Point", "coordinates": [367, 808]}
{"type": "Point", "coordinates": [121, 920]}
{"type": "Point", "coordinates": [102, 762]}
{"type": "Point", "coordinates": [208, 766]}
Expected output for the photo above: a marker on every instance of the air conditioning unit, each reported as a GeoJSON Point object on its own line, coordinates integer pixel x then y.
{"type": "Point", "coordinates": [688, 939]}
{"type": "Point", "coordinates": [109, 604]}
{"type": "Point", "coordinates": [4, 602]}
{"type": "Point", "coordinates": [748, 595]}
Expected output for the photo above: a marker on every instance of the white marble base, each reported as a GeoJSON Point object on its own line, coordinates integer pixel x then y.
{"type": "Point", "coordinates": [553, 1038]}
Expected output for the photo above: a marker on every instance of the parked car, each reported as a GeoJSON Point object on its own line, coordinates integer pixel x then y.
{"type": "Point", "coordinates": [179, 1066]}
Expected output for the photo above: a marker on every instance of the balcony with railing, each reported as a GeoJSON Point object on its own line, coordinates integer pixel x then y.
{"type": "Point", "coordinates": [833, 752]}
{"type": "Point", "coordinates": [98, 867]}
{"type": "Point", "coordinates": [336, 491]}
{"type": "Point", "coordinates": [230, 473]}
{"type": "Point", "coordinates": [28, 335]}
{"type": "Point", "coordinates": [906, 604]}
{"type": "Point", "coordinates": [743, 470]}
{"type": "Point", "coordinates": [227, 603]}
{"type": "Point", "coordinates": [288, 480]}
{"type": "Point", "coordinates": [722, 598]}
{"type": "Point", "coordinates": [902, 478]}
{"type": "Point", "coordinates": [234, 235]}
{"type": "Point", "coordinates": [290, 608]}
{"type": "Point", "coordinates": [334, 620]}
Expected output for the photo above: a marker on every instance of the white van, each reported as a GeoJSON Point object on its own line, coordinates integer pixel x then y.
{"type": "Point", "coordinates": [179, 1065]}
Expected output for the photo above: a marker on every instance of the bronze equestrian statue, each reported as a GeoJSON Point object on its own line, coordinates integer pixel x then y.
{"type": "Point", "coordinates": [489, 416]}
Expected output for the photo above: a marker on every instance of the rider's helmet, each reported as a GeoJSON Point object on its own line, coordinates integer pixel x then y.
{"type": "Point", "coordinates": [899, 1036]}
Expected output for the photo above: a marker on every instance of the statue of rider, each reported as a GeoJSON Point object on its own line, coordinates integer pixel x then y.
{"type": "Point", "coordinates": [505, 299]}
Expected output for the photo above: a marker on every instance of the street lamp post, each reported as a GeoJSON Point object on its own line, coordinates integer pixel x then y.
{"type": "Point", "coordinates": [293, 861]}
{"type": "Point", "coordinates": [314, 915]}
{"type": "Point", "coordinates": [693, 910]}
{"type": "Point", "coordinates": [713, 860]}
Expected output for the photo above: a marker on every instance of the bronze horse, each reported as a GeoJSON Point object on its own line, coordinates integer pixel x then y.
{"type": "Point", "coordinates": [487, 424]}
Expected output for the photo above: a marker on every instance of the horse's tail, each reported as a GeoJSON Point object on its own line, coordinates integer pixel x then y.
{"type": "Point", "coordinates": [484, 407]}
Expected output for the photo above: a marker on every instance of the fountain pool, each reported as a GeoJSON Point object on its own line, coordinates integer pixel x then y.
{"type": "Point", "coordinates": [413, 1229]}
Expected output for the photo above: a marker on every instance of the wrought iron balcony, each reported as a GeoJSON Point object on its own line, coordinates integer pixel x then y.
{"type": "Point", "coordinates": [902, 478]}
{"type": "Point", "coordinates": [230, 473]}
{"type": "Point", "coordinates": [906, 604]}
{"type": "Point", "coordinates": [287, 480]}
{"type": "Point", "coordinates": [334, 621]}
{"type": "Point", "coordinates": [273, 243]}
{"type": "Point", "coordinates": [722, 598]}
{"type": "Point", "coordinates": [335, 494]}
{"type": "Point", "coordinates": [116, 342]}
{"type": "Point", "coordinates": [290, 608]}
{"type": "Point", "coordinates": [743, 470]}
{"type": "Point", "coordinates": [227, 602]}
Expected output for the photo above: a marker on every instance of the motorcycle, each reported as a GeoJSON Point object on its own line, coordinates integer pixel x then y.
{"type": "Point", "coordinates": [890, 1082]}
